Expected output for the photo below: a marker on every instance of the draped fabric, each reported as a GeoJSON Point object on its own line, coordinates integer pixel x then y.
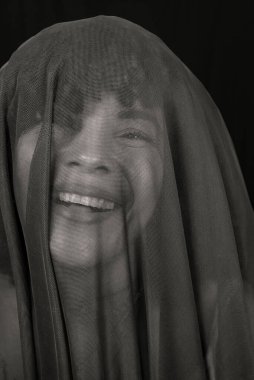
{"type": "Point", "coordinates": [129, 227]}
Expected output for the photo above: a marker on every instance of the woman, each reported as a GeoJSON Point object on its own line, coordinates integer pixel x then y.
{"type": "Point", "coordinates": [129, 225]}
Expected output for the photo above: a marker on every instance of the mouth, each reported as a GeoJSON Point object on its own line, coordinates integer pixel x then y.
{"type": "Point", "coordinates": [93, 204]}
{"type": "Point", "coordinates": [84, 208]}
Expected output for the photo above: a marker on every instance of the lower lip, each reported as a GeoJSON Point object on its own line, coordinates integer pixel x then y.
{"type": "Point", "coordinates": [83, 214]}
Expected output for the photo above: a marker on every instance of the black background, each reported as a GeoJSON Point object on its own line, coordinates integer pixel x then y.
{"type": "Point", "coordinates": [214, 38]}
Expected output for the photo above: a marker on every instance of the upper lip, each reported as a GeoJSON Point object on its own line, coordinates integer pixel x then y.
{"type": "Point", "coordinates": [89, 190]}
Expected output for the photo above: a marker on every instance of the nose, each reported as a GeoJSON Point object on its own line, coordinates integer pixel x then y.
{"type": "Point", "coordinates": [89, 163]}
{"type": "Point", "coordinates": [88, 151]}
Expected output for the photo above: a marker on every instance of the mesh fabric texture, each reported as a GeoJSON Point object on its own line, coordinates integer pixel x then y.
{"type": "Point", "coordinates": [130, 230]}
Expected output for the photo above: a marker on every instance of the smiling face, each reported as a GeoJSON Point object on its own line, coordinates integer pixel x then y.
{"type": "Point", "coordinates": [113, 162]}
{"type": "Point", "coordinates": [106, 176]}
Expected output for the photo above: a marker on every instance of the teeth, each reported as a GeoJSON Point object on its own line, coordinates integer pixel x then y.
{"type": "Point", "coordinates": [86, 201]}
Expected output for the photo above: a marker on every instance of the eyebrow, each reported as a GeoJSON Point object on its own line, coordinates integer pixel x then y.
{"type": "Point", "coordinates": [139, 114]}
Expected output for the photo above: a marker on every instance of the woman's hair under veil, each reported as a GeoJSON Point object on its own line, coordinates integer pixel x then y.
{"type": "Point", "coordinates": [129, 226]}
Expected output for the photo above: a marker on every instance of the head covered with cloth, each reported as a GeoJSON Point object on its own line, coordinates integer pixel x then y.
{"type": "Point", "coordinates": [129, 227]}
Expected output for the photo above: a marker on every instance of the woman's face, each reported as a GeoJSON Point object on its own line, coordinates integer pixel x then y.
{"type": "Point", "coordinates": [105, 180]}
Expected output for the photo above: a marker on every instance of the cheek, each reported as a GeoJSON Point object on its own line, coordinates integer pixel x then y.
{"type": "Point", "coordinates": [145, 172]}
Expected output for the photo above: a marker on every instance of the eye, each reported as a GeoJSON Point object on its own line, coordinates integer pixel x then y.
{"type": "Point", "coordinates": [135, 135]}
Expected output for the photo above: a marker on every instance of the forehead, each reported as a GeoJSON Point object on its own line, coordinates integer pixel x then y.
{"type": "Point", "coordinates": [110, 109]}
